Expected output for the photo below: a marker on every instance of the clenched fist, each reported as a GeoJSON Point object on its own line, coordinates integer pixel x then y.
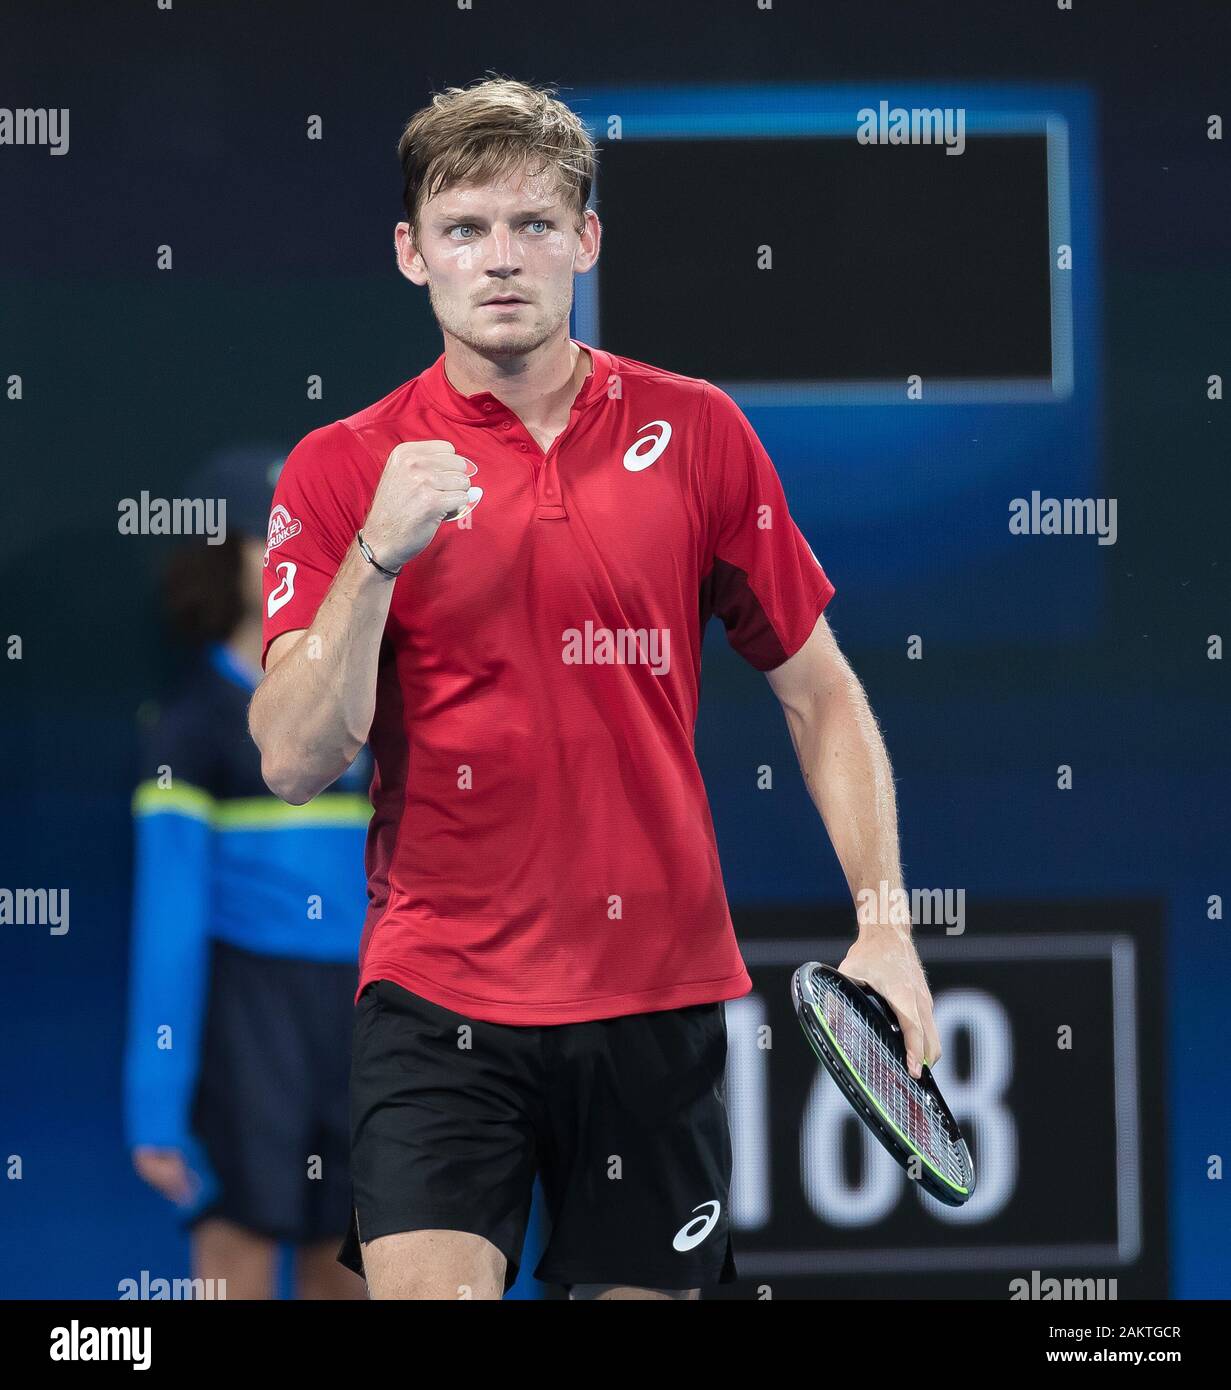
{"type": "Point", "coordinates": [424, 483]}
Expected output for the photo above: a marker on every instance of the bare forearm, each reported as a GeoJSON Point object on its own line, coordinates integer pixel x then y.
{"type": "Point", "coordinates": [311, 714]}
{"type": "Point", "coordinates": [846, 769]}
{"type": "Point", "coordinates": [849, 777]}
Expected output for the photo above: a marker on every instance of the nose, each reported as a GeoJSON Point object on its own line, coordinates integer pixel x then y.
{"type": "Point", "coordinates": [503, 259]}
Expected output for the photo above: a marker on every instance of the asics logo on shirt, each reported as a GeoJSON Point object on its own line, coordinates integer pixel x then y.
{"type": "Point", "coordinates": [637, 457]}
{"type": "Point", "coordinates": [285, 591]}
{"type": "Point", "coordinates": [693, 1232]}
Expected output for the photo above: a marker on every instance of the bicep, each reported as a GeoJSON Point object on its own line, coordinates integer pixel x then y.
{"type": "Point", "coordinates": [817, 670]}
{"type": "Point", "coordinates": [282, 646]}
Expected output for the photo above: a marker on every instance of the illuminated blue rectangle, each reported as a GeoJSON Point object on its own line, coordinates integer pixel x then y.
{"type": "Point", "coordinates": [909, 512]}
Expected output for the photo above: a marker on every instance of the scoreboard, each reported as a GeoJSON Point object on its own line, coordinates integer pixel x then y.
{"type": "Point", "coordinates": [1052, 1066]}
{"type": "Point", "coordinates": [873, 309]}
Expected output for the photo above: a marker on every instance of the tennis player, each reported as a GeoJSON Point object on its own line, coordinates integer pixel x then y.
{"type": "Point", "coordinates": [498, 575]}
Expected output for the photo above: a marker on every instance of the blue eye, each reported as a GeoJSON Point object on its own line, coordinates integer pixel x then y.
{"type": "Point", "coordinates": [535, 224]}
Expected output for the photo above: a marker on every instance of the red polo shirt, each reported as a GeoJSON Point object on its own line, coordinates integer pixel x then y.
{"type": "Point", "coordinates": [541, 849]}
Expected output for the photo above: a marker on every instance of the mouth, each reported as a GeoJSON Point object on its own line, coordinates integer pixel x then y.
{"type": "Point", "coordinates": [502, 301]}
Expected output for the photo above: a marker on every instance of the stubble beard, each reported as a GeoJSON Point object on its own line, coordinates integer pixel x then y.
{"type": "Point", "coordinates": [502, 343]}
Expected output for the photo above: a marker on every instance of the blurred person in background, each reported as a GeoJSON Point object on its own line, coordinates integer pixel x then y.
{"type": "Point", "coordinates": [246, 921]}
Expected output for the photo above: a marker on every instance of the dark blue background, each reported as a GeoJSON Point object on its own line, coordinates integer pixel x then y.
{"type": "Point", "coordinates": [188, 128]}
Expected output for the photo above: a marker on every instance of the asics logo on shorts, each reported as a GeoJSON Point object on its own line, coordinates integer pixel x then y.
{"type": "Point", "coordinates": [693, 1232]}
{"type": "Point", "coordinates": [637, 457]}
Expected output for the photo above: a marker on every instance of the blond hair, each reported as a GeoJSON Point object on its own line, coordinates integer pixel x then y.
{"type": "Point", "coordinates": [482, 132]}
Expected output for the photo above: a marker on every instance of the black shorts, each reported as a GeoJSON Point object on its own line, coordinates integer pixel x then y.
{"type": "Point", "coordinates": [623, 1119]}
{"type": "Point", "coordinates": [271, 1101]}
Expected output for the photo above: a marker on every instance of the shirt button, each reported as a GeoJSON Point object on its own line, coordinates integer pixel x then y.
{"type": "Point", "coordinates": [524, 448]}
{"type": "Point", "coordinates": [488, 407]}
{"type": "Point", "coordinates": [507, 425]}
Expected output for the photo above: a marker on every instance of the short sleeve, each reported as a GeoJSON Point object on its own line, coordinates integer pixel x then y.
{"type": "Point", "coordinates": [317, 509]}
{"type": "Point", "coordinates": [765, 583]}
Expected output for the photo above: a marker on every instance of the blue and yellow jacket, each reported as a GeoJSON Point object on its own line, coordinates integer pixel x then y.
{"type": "Point", "coordinates": [218, 856]}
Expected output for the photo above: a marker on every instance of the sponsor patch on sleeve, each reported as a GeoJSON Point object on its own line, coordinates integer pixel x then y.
{"type": "Point", "coordinates": [282, 526]}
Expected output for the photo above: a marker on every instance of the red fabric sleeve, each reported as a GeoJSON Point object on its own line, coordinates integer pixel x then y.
{"type": "Point", "coordinates": [318, 506]}
{"type": "Point", "coordinates": [766, 584]}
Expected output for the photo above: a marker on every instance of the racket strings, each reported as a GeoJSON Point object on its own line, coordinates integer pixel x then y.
{"type": "Point", "coordinates": [897, 1092]}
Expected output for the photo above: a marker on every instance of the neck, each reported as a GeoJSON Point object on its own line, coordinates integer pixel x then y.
{"type": "Point", "coordinates": [538, 386]}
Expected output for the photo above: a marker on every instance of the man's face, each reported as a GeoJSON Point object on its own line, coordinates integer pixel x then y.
{"type": "Point", "coordinates": [514, 240]}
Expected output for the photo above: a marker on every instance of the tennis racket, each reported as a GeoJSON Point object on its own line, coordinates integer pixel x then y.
{"type": "Point", "coordinates": [855, 1033]}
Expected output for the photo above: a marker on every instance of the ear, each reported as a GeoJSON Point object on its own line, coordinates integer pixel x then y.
{"type": "Point", "coordinates": [409, 262]}
{"type": "Point", "coordinates": [591, 236]}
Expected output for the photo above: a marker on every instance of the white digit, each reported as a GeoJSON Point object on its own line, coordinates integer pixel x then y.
{"type": "Point", "coordinates": [747, 1106]}
{"type": "Point", "coordinates": [878, 1186]}
{"type": "Point", "coordinates": [977, 1101]}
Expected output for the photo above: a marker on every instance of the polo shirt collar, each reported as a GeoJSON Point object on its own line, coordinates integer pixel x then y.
{"type": "Point", "coordinates": [484, 408]}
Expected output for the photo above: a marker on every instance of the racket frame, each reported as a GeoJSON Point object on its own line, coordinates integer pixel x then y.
{"type": "Point", "coordinates": [829, 1051]}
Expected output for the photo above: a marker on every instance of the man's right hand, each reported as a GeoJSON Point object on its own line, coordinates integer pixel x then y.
{"type": "Point", "coordinates": [313, 711]}
{"type": "Point", "coordinates": [424, 482]}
